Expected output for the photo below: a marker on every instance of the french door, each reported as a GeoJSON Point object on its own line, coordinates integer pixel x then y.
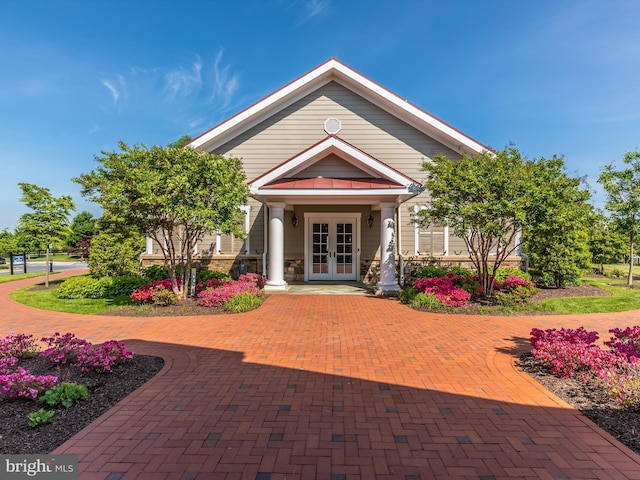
{"type": "Point", "coordinates": [332, 248]}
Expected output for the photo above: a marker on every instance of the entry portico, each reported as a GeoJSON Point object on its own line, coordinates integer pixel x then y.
{"type": "Point", "coordinates": [333, 173]}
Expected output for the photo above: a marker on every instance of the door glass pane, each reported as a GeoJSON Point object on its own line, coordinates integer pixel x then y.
{"type": "Point", "coordinates": [320, 248]}
{"type": "Point", "coordinates": [344, 244]}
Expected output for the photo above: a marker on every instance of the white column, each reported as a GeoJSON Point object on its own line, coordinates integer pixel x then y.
{"type": "Point", "coordinates": [149, 246]}
{"type": "Point", "coordinates": [388, 282]}
{"type": "Point", "coordinates": [275, 270]}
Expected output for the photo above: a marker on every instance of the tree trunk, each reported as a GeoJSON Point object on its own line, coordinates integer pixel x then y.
{"type": "Point", "coordinates": [630, 277]}
{"type": "Point", "coordinates": [46, 270]}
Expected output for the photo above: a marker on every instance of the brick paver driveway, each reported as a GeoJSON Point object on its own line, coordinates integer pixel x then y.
{"type": "Point", "coordinates": [334, 387]}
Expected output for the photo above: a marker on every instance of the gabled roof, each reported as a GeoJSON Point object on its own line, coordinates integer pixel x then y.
{"type": "Point", "coordinates": [378, 181]}
{"type": "Point", "coordinates": [333, 144]}
{"type": "Point", "coordinates": [334, 70]}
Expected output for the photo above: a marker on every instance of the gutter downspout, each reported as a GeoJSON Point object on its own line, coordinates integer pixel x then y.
{"type": "Point", "coordinates": [400, 256]}
{"type": "Point", "coordinates": [265, 240]}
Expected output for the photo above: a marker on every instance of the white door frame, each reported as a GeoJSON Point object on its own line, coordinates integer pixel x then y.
{"type": "Point", "coordinates": [310, 217]}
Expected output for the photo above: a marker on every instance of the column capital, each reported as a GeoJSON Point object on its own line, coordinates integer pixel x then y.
{"type": "Point", "coordinates": [276, 204]}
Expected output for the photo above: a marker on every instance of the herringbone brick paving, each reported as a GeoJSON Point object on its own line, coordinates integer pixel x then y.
{"type": "Point", "coordinates": [334, 387]}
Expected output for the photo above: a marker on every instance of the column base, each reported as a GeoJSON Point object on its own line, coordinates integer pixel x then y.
{"type": "Point", "coordinates": [276, 286]}
{"type": "Point", "coordinates": [388, 289]}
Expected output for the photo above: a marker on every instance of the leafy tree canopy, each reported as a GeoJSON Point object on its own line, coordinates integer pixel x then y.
{"type": "Point", "coordinates": [622, 187]}
{"type": "Point", "coordinates": [83, 225]}
{"type": "Point", "coordinates": [49, 217]}
{"type": "Point", "coordinates": [173, 195]}
{"type": "Point", "coordinates": [489, 198]}
{"type": "Point", "coordinates": [606, 243]}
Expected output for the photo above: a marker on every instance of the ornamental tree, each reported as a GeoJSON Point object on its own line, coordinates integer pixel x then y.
{"type": "Point", "coordinates": [173, 195]}
{"type": "Point", "coordinates": [489, 198]}
{"type": "Point", "coordinates": [622, 187]}
{"type": "Point", "coordinates": [49, 217]}
{"type": "Point", "coordinates": [606, 243]}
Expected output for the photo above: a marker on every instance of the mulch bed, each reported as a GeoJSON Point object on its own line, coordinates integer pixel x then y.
{"type": "Point", "coordinates": [183, 308]}
{"type": "Point", "coordinates": [105, 390]}
{"type": "Point", "coordinates": [589, 399]}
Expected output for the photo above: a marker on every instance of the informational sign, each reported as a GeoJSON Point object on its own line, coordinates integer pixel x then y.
{"type": "Point", "coordinates": [18, 259]}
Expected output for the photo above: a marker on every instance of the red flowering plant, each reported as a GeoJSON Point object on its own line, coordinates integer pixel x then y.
{"type": "Point", "coordinates": [18, 345]}
{"type": "Point", "coordinates": [625, 342]}
{"type": "Point", "coordinates": [573, 352]}
{"type": "Point", "coordinates": [451, 289]}
{"type": "Point", "coordinates": [147, 293]}
{"type": "Point", "coordinates": [64, 348]}
{"type": "Point", "coordinates": [104, 357]}
{"type": "Point", "coordinates": [217, 296]}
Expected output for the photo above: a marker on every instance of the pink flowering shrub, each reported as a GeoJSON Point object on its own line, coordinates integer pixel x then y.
{"type": "Point", "coordinates": [210, 283]}
{"type": "Point", "coordinates": [625, 342]}
{"type": "Point", "coordinates": [513, 290]}
{"type": "Point", "coordinates": [18, 345]}
{"type": "Point", "coordinates": [217, 296]}
{"type": "Point", "coordinates": [6, 363]}
{"type": "Point", "coordinates": [573, 352]}
{"type": "Point", "coordinates": [61, 349]}
{"type": "Point", "coordinates": [623, 384]}
{"type": "Point", "coordinates": [23, 384]}
{"type": "Point", "coordinates": [104, 357]}
{"type": "Point", "coordinates": [446, 289]}
{"type": "Point", "coordinates": [148, 292]}
{"type": "Point", "coordinates": [64, 348]}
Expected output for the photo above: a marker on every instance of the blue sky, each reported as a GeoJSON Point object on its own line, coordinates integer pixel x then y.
{"type": "Point", "coordinates": [554, 77]}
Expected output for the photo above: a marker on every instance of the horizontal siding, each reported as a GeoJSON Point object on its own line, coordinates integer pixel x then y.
{"type": "Point", "coordinates": [364, 125]}
{"type": "Point", "coordinates": [334, 167]}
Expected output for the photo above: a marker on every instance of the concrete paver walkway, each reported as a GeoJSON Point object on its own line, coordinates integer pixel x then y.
{"type": "Point", "coordinates": [334, 388]}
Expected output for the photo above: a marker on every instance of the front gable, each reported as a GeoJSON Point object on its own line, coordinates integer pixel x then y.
{"type": "Point", "coordinates": [335, 71]}
{"type": "Point", "coordinates": [359, 173]}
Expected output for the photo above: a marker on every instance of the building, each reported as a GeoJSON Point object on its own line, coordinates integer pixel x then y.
{"type": "Point", "coordinates": [333, 161]}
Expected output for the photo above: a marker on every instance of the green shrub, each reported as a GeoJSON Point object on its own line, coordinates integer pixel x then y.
{"type": "Point", "coordinates": [204, 275]}
{"type": "Point", "coordinates": [40, 417]}
{"type": "Point", "coordinates": [616, 273]}
{"type": "Point", "coordinates": [83, 287]}
{"type": "Point", "coordinates": [124, 285]}
{"type": "Point", "coordinates": [65, 394]}
{"type": "Point", "coordinates": [430, 271]}
{"type": "Point", "coordinates": [461, 271]}
{"type": "Point", "coordinates": [407, 295]}
{"type": "Point", "coordinates": [507, 299]}
{"type": "Point", "coordinates": [113, 254]}
{"type": "Point", "coordinates": [155, 272]}
{"type": "Point", "coordinates": [242, 303]}
{"type": "Point", "coordinates": [165, 297]}
{"type": "Point", "coordinates": [426, 301]}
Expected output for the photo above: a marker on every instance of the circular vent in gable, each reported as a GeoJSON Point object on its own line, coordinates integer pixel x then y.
{"type": "Point", "coordinates": [332, 126]}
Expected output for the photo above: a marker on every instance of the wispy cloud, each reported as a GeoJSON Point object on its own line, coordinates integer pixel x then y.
{"type": "Point", "coordinates": [224, 85]}
{"type": "Point", "coordinates": [313, 8]}
{"type": "Point", "coordinates": [192, 94]}
{"type": "Point", "coordinates": [117, 89]}
{"type": "Point", "coordinates": [182, 82]}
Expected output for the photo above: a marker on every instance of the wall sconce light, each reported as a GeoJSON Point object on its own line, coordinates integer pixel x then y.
{"type": "Point", "coordinates": [369, 221]}
{"type": "Point", "coordinates": [294, 220]}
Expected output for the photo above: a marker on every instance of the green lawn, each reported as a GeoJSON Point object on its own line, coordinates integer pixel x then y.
{"type": "Point", "coordinates": [623, 299]}
{"type": "Point", "coordinates": [622, 267]}
{"type": "Point", "coordinates": [19, 276]}
{"type": "Point", "coordinates": [47, 300]}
